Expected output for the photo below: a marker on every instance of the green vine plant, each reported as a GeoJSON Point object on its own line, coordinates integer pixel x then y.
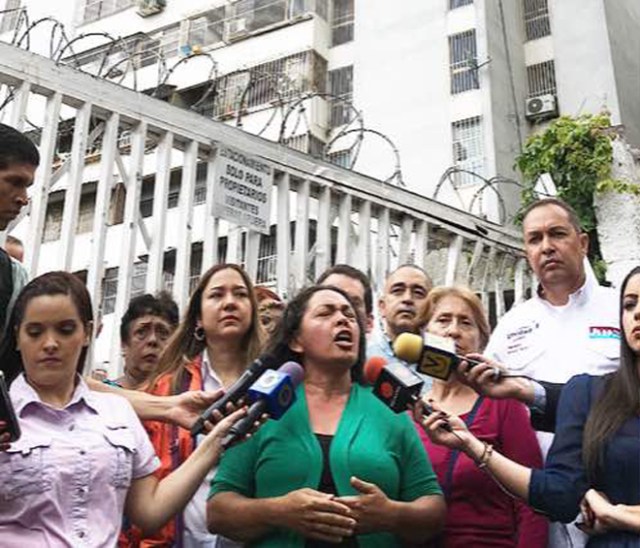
{"type": "Point", "coordinates": [577, 153]}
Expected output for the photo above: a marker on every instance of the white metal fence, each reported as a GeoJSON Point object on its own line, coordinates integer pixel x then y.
{"type": "Point", "coordinates": [322, 214]}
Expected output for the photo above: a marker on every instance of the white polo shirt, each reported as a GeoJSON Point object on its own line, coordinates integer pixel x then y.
{"type": "Point", "coordinates": [553, 343]}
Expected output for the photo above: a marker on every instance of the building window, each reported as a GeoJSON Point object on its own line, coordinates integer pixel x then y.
{"type": "Point", "coordinates": [96, 9]}
{"type": "Point", "coordinates": [86, 212]}
{"type": "Point", "coordinates": [463, 61]}
{"type": "Point", "coordinates": [206, 29]}
{"type": "Point", "coordinates": [340, 158]}
{"type": "Point", "coordinates": [541, 79]}
{"type": "Point", "coordinates": [53, 218]}
{"type": "Point", "coordinates": [453, 4]}
{"type": "Point", "coordinates": [342, 15]}
{"type": "Point", "coordinates": [468, 150]}
{"type": "Point", "coordinates": [536, 19]}
{"type": "Point", "coordinates": [341, 89]}
{"type": "Point", "coordinates": [109, 290]}
{"type": "Point", "coordinates": [139, 277]}
{"type": "Point", "coordinates": [266, 84]}
{"type": "Point", "coordinates": [9, 15]}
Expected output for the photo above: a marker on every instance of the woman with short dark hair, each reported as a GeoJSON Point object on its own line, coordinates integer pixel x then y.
{"type": "Point", "coordinates": [339, 467]}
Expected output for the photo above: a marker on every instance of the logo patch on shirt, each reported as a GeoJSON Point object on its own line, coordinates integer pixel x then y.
{"type": "Point", "coordinates": [604, 332]}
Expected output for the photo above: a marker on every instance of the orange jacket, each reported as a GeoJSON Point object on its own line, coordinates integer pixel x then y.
{"type": "Point", "coordinates": [173, 446]}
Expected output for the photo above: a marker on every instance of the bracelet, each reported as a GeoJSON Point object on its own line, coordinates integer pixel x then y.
{"type": "Point", "coordinates": [483, 461]}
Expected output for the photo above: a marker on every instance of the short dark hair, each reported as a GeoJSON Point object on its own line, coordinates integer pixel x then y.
{"type": "Point", "coordinates": [415, 267]}
{"type": "Point", "coordinates": [351, 272]}
{"type": "Point", "coordinates": [571, 213]}
{"type": "Point", "coordinates": [292, 320]}
{"type": "Point", "coordinates": [15, 148]}
{"type": "Point", "coordinates": [162, 305]}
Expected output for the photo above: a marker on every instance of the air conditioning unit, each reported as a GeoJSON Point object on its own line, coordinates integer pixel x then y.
{"type": "Point", "coordinates": [150, 7]}
{"type": "Point", "coordinates": [542, 106]}
{"type": "Point", "coordinates": [237, 28]}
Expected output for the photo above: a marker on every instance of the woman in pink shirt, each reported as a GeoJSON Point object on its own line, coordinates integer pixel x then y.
{"type": "Point", "coordinates": [479, 514]}
{"type": "Point", "coordinates": [83, 458]}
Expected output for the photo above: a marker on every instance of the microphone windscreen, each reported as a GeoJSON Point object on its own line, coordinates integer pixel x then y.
{"type": "Point", "coordinates": [408, 347]}
{"type": "Point", "coordinates": [373, 368]}
{"type": "Point", "coordinates": [294, 370]}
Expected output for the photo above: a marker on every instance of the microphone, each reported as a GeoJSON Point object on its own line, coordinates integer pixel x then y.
{"type": "Point", "coordinates": [397, 386]}
{"type": "Point", "coordinates": [273, 393]}
{"type": "Point", "coordinates": [236, 391]}
{"type": "Point", "coordinates": [435, 356]}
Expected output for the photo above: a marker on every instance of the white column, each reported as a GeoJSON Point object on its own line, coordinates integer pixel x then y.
{"type": "Point", "coordinates": [211, 223]}
{"type": "Point", "coordinates": [363, 251]}
{"type": "Point", "coordinates": [301, 248]}
{"type": "Point", "coordinates": [283, 234]}
{"type": "Point", "coordinates": [159, 216]}
{"type": "Point", "coordinates": [453, 256]}
{"type": "Point", "coordinates": [382, 255]}
{"type": "Point", "coordinates": [185, 226]}
{"type": "Point", "coordinates": [74, 189]}
{"type": "Point", "coordinates": [40, 195]}
{"type": "Point", "coordinates": [343, 252]}
{"type": "Point", "coordinates": [323, 231]}
{"type": "Point", "coordinates": [405, 240]}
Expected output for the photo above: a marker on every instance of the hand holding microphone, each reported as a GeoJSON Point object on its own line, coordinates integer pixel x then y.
{"type": "Point", "coordinates": [272, 393]}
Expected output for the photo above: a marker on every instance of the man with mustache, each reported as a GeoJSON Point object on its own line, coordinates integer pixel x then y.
{"type": "Point", "coordinates": [144, 331]}
{"type": "Point", "coordinates": [570, 326]}
{"type": "Point", "coordinates": [401, 309]}
{"type": "Point", "coordinates": [19, 159]}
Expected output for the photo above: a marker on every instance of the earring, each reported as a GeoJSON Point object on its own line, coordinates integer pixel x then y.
{"type": "Point", "coordinates": [198, 333]}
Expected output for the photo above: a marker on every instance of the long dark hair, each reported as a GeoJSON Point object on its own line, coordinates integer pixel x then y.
{"type": "Point", "coordinates": [291, 321]}
{"type": "Point", "coordinates": [51, 283]}
{"type": "Point", "coordinates": [619, 400]}
{"type": "Point", "coordinates": [183, 347]}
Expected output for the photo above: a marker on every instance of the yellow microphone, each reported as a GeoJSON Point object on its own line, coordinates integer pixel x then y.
{"type": "Point", "coordinates": [433, 355]}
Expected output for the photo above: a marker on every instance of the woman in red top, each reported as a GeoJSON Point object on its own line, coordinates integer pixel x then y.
{"type": "Point", "coordinates": [218, 338]}
{"type": "Point", "coordinates": [479, 514]}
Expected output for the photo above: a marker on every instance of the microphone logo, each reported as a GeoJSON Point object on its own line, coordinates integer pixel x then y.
{"type": "Point", "coordinates": [285, 396]}
{"type": "Point", "coordinates": [386, 390]}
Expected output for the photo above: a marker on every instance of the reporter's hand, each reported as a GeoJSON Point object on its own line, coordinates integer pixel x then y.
{"type": "Point", "coordinates": [487, 378]}
{"type": "Point", "coordinates": [458, 437]}
{"type": "Point", "coordinates": [216, 432]}
{"type": "Point", "coordinates": [316, 515]}
{"type": "Point", "coordinates": [370, 508]}
{"type": "Point", "coordinates": [4, 437]}
{"type": "Point", "coordinates": [187, 407]}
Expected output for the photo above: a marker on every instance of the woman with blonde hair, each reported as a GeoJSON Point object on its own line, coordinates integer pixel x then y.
{"type": "Point", "coordinates": [218, 338]}
{"type": "Point", "coordinates": [479, 514]}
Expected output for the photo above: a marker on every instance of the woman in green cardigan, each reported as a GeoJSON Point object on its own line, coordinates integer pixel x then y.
{"type": "Point", "coordinates": [339, 468]}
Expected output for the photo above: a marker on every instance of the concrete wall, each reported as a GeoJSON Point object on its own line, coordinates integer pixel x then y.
{"type": "Point", "coordinates": [584, 72]}
{"type": "Point", "coordinates": [619, 217]}
{"type": "Point", "coordinates": [506, 84]}
{"type": "Point", "coordinates": [623, 22]}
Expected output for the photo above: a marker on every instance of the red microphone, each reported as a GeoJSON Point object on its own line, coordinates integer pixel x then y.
{"type": "Point", "coordinates": [397, 386]}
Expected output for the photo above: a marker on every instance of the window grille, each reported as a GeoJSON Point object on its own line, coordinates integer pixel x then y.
{"type": "Point", "coordinates": [541, 79]}
{"type": "Point", "coordinates": [96, 9]}
{"type": "Point", "coordinates": [463, 61]}
{"type": "Point", "coordinates": [341, 158]}
{"type": "Point", "coordinates": [536, 19]}
{"type": "Point", "coordinates": [282, 79]}
{"type": "Point", "coordinates": [468, 150]}
{"type": "Point", "coordinates": [341, 89]}
{"type": "Point", "coordinates": [109, 290]}
{"type": "Point", "coordinates": [342, 16]}
{"type": "Point", "coordinates": [139, 278]}
{"type": "Point", "coordinates": [9, 15]}
{"type": "Point", "coordinates": [206, 29]}
{"type": "Point", "coordinates": [453, 4]}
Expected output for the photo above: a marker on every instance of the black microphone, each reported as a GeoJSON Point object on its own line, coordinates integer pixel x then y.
{"type": "Point", "coordinates": [435, 356]}
{"type": "Point", "coordinates": [397, 386]}
{"type": "Point", "coordinates": [236, 391]}
{"type": "Point", "coordinates": [272, 393]}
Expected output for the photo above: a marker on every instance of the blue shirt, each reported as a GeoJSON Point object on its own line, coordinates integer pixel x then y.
{"type": "Point", "coordinates": [558, 489]}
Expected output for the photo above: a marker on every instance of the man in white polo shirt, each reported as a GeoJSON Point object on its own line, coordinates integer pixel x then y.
{"type": "Point", "coordinates": [569, 327]}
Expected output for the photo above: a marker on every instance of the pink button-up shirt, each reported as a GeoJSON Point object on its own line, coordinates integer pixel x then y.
{"type": "Point", "coordinates": [64, 482]}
